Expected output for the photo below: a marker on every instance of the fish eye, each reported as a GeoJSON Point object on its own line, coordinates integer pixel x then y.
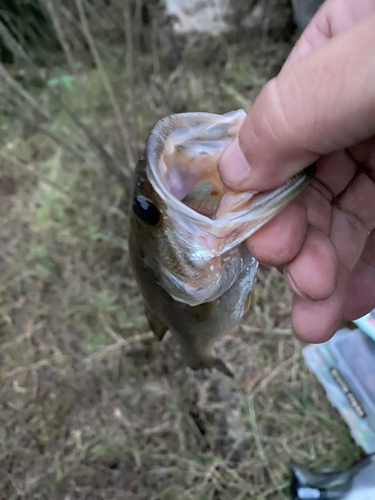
{"type": "Point", "coordinates": [146, 210]}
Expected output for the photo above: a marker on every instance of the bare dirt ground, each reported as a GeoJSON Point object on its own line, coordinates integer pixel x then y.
{"type": "Point", "coordinates": [92, 407]}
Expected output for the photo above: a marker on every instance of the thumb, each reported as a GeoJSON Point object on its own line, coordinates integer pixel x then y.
{"type": "Point", "coordinates": [322, 103]}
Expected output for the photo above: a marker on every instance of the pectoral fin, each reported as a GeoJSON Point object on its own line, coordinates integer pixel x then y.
{"type": "Point", "coordinates": [157, 327]}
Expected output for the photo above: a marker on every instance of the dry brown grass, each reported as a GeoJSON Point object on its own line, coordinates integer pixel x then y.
{"type": "Point", "coordinates": [91, 406]}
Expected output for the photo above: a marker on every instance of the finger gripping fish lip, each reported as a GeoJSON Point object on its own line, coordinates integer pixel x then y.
{"type": "Point", "coordinates": [182, 154]}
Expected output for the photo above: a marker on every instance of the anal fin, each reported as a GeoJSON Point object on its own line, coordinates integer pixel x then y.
{"type": "Point", "coordinates": [158, 328]}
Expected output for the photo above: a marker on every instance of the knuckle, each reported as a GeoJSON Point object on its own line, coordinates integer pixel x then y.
{"type": "Point", "coordinates": [280, 122]}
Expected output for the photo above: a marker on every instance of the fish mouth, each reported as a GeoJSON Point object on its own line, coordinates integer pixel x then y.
{"type": "Point", "coordinates": [183, 152]}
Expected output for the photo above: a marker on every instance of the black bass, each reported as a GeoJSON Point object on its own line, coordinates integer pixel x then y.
{"type": "Point", "coordinates": [187, 233]}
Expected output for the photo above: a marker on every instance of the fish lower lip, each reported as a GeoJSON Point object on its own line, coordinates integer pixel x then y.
{"type": "Point", "coordinates": [217, 236]}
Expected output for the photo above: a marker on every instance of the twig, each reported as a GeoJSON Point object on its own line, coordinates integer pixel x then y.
{"type": "Point", "coordinates": [20, 277]}
{"type": "Point", "coordinates": [22, 336]}
{"type": "Point", "coordinates": [71, 25]}
{"type": "Point", "coordinates": [273, 331]}
{"type": "Point", "coordinates": [107, 85]}
{"type": "Point", "coordinates": [22, 92]}
{"type": "Point", "coordinates": [274, 489]}
{"type": "Point", "coordinates": [77, 197]}
{"type": "Point", "coordinates": [27, 368]}
{"type": "Point", "coordinates": [29, 168]}
{"type": "Point", "coordinates": [14, 46]}
{"type": "Point", "coordinates": [13, 481]}
{"type": "Point", "coordinates": [61, 142]}
{"type": "Point", "coordinates": [296, 359]}
{"type": "Point", "coordinates": [127, 343]}
{"type": "Point", "coordinates": [114, 166]}
{"type": "Point", "coordinates": [273, 374]}
{"type": "Point", "coordinates": [129, 53]}
{"type": "Point", "coordinates": [138, 20]}
{"type": "Point", "coordinates": [165, 426]}
{"type": "Point", "coordinates": [258, 442]}
{"type": "Point", "coordinates": [237, 96]}
{"type": "Point", "coordinates": [60, 34]}
{"type": "Point", "coordinates": [33, 123]}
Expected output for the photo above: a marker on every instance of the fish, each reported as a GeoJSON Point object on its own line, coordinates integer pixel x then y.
{"type": "Point", "coordinates": [187, 233]}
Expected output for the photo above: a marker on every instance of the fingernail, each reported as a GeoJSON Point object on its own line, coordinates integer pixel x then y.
{"type": "Point", "coordinates": [292, 285]}
{"type": "Point", "coordinates": [233, 167]}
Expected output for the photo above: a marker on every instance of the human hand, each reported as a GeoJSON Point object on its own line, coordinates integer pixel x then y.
{"type": "Point", "coordinates": [320, 108]}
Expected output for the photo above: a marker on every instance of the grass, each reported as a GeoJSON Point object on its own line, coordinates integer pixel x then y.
{"type": "Point", "coordinates": [91, 406]}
